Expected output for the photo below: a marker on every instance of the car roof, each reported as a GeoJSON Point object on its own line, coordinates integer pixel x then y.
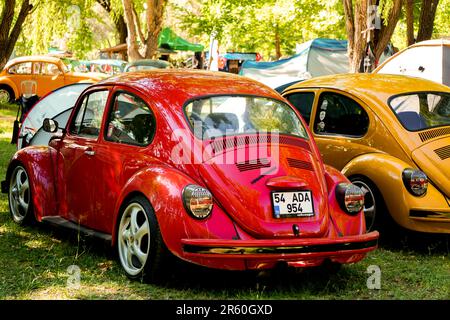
{"type": "Point", "coordinates": [180, 85]}
{"type": "Point", "coordinates": [33, 59]}
{"type": "Point", "coordinates": [435, 42]}
{"type": "Point", "coordinates": [376, 87]}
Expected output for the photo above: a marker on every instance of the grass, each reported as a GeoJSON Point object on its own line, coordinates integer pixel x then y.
{"type": "Point", "coordinates": [34, 263]}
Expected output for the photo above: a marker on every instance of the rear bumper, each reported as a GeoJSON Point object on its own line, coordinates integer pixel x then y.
{"type": "Point", "coordinates": [258, 254]}
{"type": "Point", "coordinates": [4, 187]}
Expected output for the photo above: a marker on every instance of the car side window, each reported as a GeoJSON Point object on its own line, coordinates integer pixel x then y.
{"type": "Point", "coordinates": [303, 102]}
{"type": "Point", "coordinates": [130, 121]}
{"type": "Point", "coordinates": [20, 68]}
{"type": "Point", "coordinates": [50, 69]}
{"type": "Point", "coordinates": [339, 115]}
{"type": "Point", "coordinates": [88, 120]}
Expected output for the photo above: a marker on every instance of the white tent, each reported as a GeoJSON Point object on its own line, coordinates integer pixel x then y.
{"type": "Point", "coordinates": [427, 59]}
{"type": "Point", "coordinates": [315, 58]}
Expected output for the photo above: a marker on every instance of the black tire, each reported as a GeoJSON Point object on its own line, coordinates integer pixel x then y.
{"type": "Point", "coordinates": [154, 267]}
{"type": "Point", "coordinates": [6, 90]}
{"type": "Point", "coordinates": [20, 196]}
{"type": "Point", "coordinates": [381, 219]}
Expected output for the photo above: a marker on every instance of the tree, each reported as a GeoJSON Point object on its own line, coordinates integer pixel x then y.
{"type": "Point", "coordinates": [9, 31]}
{"type": "Point", "coordinates": [154, 12]}
{"type": "Point", "coordinates": [428, 9]}
{"type": "Point", "coordinates": [118, 19]}
{"type": "Point", "coordinates": [363, 35]}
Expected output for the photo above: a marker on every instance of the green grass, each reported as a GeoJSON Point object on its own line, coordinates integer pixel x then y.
{"type": "Point", "coordinates": [34, 262]}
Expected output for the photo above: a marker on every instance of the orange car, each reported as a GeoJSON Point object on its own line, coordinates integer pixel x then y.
{"type": "Point", "coordinates": [38, 75]}
{"type": "Point", "coordinates": [390, 135]}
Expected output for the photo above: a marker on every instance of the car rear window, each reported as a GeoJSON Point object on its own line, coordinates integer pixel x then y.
{"type": "Point", "coordinates": [422, 110]}
{"type": "Point", "coordinates": [217, 116]}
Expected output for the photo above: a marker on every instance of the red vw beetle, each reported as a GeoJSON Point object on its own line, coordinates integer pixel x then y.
{"type": "Point", "coordinates": [215, 169]}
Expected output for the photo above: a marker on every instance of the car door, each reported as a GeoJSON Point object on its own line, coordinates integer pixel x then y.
{"type": "Point", "coordinates": [21, 74]}
{"type": "Point", "coordinates": [303, 101]}
{"type": "Point", "coordinates": [48, 77]}
{"type": "Point", "coordinates": [80, 178]}
{"type": "Point", "coordinates": [129, 128]}
{"type": "Point", "coordinates": [340, 124]}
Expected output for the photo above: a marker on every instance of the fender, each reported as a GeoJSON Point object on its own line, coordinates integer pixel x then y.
{"type": "Point", "coordinates": [163, 185]}
{"type": "Point", "coordinates": [39, 162]}
{"type": "Point", "coordinates": [385, 171]}
{"type": "Point", "coordinates": [341, 222]}
{"type": "Point", "coordinates": [9, 83]}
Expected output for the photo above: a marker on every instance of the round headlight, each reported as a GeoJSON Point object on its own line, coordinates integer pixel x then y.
{"type": "Point", "coordinates": [415, 181]}
{"type": "Point", "coordinates": [198, 201]}
{"type": "Point", "coordinates": [350, 197]}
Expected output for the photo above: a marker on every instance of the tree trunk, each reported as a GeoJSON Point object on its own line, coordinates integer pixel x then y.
{"type": "Point", "coordinates": [154, 20]}
{"type": "Point", "coordinates": [133, 47]}
{"type": "Point", "coordinates": [387, 30]}
{"type": "Point", "coordinates": [426, 19]}
{"type": "Point", "coordinates": [8, 35]}
{"type": "Point", "coordinates": [355, 18]}
{"type": "Point", "coordinates": [121, 28]}
{"type": "Point", "coordinates": [119, 21]}
{"type": "Point", "coordinates": [277, 43]}
{"type": "Point", "coordinates": [155, 15]}
{"type": "Point", "coordinates": [358, 32]}
{"type": "Point", "coordinates": [409, 8]}
{"type": "Point", "coordinates": [350, 27]}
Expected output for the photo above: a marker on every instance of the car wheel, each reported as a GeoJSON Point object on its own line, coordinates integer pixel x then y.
{"type": "Point", "coordinates": [373, 201]}
{"type": "Point", "coordinates": [6, 94]}
{"type": "Point", "coordinates": [20, 204]}
{"type": "Point", "coordinates": [139, 242]}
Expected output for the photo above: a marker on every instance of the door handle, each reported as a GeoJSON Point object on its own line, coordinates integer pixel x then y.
{"type": "Point", "coordinates": [89, 152]}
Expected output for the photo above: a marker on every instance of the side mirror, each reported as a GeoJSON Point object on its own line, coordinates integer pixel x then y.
{"type": "Point", "coordinates": [50, 125]}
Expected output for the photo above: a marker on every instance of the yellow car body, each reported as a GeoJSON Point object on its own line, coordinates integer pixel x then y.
{"type": "Point", "coordinates": [386, 148]}
{"type": "Point", "coordinates": [38, 75]}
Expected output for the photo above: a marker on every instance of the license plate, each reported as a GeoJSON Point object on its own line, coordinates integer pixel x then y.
{"type": "Point", "coordinates": [292, 204]}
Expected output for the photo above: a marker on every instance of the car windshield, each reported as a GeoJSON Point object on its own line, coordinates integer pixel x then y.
{"type": "Point", "coordinates": [231, 115]}
{"type": "Point", "coordinates": [422, 110]}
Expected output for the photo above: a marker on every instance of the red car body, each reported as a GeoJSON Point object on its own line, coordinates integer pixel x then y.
{"type": "Point", "coordinates": [87, 181]}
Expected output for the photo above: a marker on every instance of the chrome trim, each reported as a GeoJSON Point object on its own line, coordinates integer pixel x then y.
{"type": "Point", "coordinates": [235, 250]}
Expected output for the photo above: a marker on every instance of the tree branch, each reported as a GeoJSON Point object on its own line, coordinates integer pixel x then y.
{"type": "Point", "coordinates": [138, 25]}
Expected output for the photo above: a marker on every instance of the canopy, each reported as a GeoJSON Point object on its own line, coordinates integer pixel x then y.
{"type": "Point", "coordinates": [56, 105]}
{"type": "Point", "coordinates": [315, 58]}
{"type": "Point", "coordinates": [427, 59]}
{"type": "Point", "coordinates": [318, 57]}
{"type": "Point", "coordinates": [168, 38]}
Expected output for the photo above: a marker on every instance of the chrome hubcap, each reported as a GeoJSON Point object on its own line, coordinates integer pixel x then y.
{"type": "Point", "coordinates": [134, 239]}
{"type": "Point", "coordinates": [369, 204]}
{"type": "Point", "coordinates": [19, 194]}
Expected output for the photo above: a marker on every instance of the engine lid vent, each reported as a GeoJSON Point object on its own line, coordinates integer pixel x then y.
{"type": "Point", "coordinates": [443, 153]}
{"type": "Point", "coordinates": [300, 164]}
{"type": "Point", "coordinates": [431, 134]}
{"type": "Point", "coordinates": [253, 165]}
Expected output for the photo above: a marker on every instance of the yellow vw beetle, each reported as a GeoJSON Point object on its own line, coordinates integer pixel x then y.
{"type": "Point", "coordinates": [390, 135]}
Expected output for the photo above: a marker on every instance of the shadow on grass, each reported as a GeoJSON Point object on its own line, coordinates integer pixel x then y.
{"type": "Point", "coordinates": [186, 280]}
{"type": "Point", "coordinates": [422, 243]}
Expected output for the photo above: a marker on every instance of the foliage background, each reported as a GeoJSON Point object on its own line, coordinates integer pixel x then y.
{"type": "Point", "coordinates": [241, 25]}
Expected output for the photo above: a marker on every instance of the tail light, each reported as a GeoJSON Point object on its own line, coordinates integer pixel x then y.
{"type": "Point", "coordinates": [350, 197]}
{"type": "Point", "coordinates": [415, 181]}
{"type": "Point", "coordinates": [198, 201]}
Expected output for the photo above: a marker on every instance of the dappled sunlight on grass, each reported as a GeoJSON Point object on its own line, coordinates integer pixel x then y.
{"type": "Point", "coordinates": [34, 262]}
